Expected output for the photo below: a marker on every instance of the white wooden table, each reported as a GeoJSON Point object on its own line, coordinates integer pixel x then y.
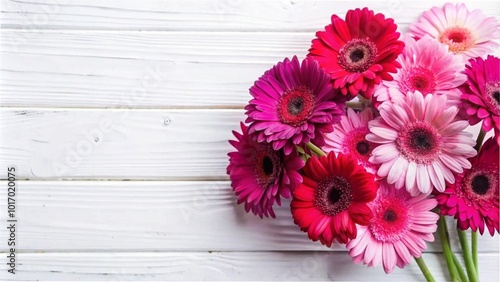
{"type": "Point", "coordinates": [116, 115]}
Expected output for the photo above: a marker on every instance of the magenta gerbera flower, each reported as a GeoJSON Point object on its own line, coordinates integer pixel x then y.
{"type": "Point", "coordinates": [349, 137]}
{"type": "Point", "coordinates": [293, 104]}
{"type": "Point", "coordinates": [473, 199]}
{"type": "Point", "coordinates": [358, 53]}
{"type": "Point", "coordinates": [421, 144]}
{"type": "Point", "coordinates": [481, 93]}
{"type": "Point", "coordinates": [260, 175]}
{"type": "Point", "coordinates": [398, 231]}
{"type": "Point", "coordinates": [469, 34]}
{"type": "Point", "coordinates": [428, 67]}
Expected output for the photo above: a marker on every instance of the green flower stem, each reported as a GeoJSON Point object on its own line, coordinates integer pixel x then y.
{"type": "Point", "coordinates": [315, 149]}
{"type": "Point", "coordinates": [469, 264]}
{"type": "Point", "coordinates": [355, 105]}
{"type": "Point", "coordinates": [425, 271]}
{"type": "Point", "coordinates": [474, 249]}
{"type": "Point", "coordinates": [461, 273]}
{"type": "Point", "coordinates": [448, 254]}
{"type": "Point", "coordinates": [480, 139]}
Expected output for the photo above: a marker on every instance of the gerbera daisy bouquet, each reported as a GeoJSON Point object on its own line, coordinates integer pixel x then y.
{"type": "Point", "coordinates": [369, 136]}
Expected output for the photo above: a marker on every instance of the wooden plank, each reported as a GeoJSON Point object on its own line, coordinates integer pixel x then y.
{"type": "Point", "coordinates": [117, 144]}
{"type": "Point", "coordinates": [155, 216]}
{"type": "Point", "coordinates": [233, 266]}
{"type": "Point", "coordinates": [297, 15]}
{"type": "Point", "coordinates": [138, 69]}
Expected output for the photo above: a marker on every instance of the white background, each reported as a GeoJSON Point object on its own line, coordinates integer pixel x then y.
{"type": "Point", "coordinates": [116, 115]}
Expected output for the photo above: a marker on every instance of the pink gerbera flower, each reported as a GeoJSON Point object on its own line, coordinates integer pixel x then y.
{"type": "Point", "coordinates": [333, 198]}
{"type": "Point", "coordinates": [468, 34]}
{"type": "Point", "coordinates": [260, 175]}
{"type": "Point", "coordinates": [428, 67]}
{"type": "Point", "coordinates": [358, 53]}
{"type": "Point", "coordinates": [473, 199]}
{"type": "Point", "coordinates": [398, 230]}
{"type": "Point", "coordinates": [293, 104]}
{"type": "Point", "coordinates": [481, 94]}
{"type": "Point", "coordinates": [348, 137]}
{"type": "Point", "coordinates": [421, 144]}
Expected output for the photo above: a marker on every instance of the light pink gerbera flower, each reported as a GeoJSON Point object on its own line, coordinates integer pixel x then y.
{"type": "Point", "coordinates": [481, 94]}
{"type": "Point", "coordinates": [473, 199]}
{"type": "Point", "coordinates": [428, 67]}
{"type": "Point", "coordinates": [348, 137]}
{"type": "Point", "coordinates": [293, 104]}
{"type": "Point", "coordinates": [421, 144]}
{"type": "Point", "coordinates": [260, 175]}
{"type": "Point", "coordinates": [469, 34]}
{"type": "Point", "coordinates": [398, 230]}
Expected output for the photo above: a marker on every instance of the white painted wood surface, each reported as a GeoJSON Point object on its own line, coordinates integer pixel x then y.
{"type": "Point", "coordinates": [94, 93]}
{"type": "Point", "coordinates": [156, 216]}
{"type": "Point", "coordinates": [232, 266]}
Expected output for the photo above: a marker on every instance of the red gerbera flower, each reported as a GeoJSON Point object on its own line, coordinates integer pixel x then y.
{"type": "Point", "coordinates": [473, 198]}
{"type": "Point", "coordinates": [333, 198]}
{"type": "Point", "coordinates": [358, 53]}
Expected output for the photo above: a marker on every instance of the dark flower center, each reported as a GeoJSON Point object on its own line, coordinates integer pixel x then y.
{"type": "Point", "coordinates": [496, 96]}
{"type": "Point", "coordinates": [420, 82]}
{"type": "Point", "coordinates": [363, 148]}
{"type": "Point", "coordinates": [357, 55]}
{"type": "Point", "coordinates": [333, 195]}
{"type": "Point", "coordinates": [390, 215]}
{"type": "Point", "coordinates": [480, 184]}
{"type": "Point", "coordinates": [267, 165]}
{"type": "Point", "coordinates": [419, 142]}
{"type": "Point", "coordinates": [296, 106]}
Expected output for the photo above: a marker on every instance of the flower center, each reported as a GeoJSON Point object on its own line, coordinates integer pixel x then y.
{"type": "Point", "coordinates": [357, 55]}
{"type": "Point", "coordinates": [493, 94]}
{"type": "Point", "coordinates": [363, 148]}
{"type": "Point", "coordinates": [267, 164]}
{"type": "Point", "coordinates": [296, 106]}
{"type": "Point", "coordinates": [458, 39]}
{"type": "Point", "coordinates": [480, 184]}
{"type": "Point", "coordinates": [390, 215]}
{"type": "Point", "coordinates": [419, 142]}
{"type": "Point", "coordinates": [333, 195]}
{"type": "Point", "coordinates": [479, 187]}
{"type": "Point", "coordinates": [391, 218]}
{"type": "Point", "coordinates": [418, 78]}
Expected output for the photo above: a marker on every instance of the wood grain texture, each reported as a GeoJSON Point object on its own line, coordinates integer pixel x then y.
{"type": "Point", "coordinates": [216, 266]}
{"type": "Point", "coordinates": [117, 144]}
{"type": "Point", "coordinates": [234, 15]}
{"type": "Point", "coordinates": [139, 69]}
{"type": "Point", "coordinates": [151, 216]}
